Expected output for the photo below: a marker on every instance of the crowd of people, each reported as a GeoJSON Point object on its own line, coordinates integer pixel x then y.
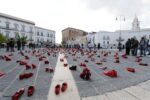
{"type": "Point", "coordinates": [10, 45]}
{"type": "Point", "coordinates": [133, 46]}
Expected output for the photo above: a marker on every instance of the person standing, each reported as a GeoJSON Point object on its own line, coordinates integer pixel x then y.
{"type": "Point", "coordinates": [12, 44]}
{"type": "Point", "coordinates": [148, 45]}
{"type": "Point", "coordinates": [128, 47]}
{"type": "Point", "coordinates": [18, 44]}
{"type": "Point", "coordinates": [8, 45]}
{"type": "Point", "coordinates": [135, 46]}
{"type": "Point", "coordinates": [142, 46]}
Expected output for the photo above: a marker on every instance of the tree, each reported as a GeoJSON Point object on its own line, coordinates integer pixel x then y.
{"type": "Point", "coordinates": [3, 38]}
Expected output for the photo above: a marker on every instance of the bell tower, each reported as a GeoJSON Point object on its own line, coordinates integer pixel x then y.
{"type": "Point", "coordinates": [135, 24]}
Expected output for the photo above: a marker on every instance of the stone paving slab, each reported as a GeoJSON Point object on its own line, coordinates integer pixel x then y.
{"type": "Point", "coordinates": [104, 84]}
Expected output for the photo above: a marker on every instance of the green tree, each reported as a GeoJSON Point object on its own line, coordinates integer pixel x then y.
{"type": "Point", "coordinates": [3, 38]}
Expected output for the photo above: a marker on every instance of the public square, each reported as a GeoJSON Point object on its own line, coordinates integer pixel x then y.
{"type": "Point", "coordinates": [99, 84]}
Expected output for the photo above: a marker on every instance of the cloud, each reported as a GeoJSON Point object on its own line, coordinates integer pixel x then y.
{"type": "Point", "coordinates": [123, 7]}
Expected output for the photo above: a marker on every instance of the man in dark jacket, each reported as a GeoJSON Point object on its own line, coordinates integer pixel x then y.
{"type": "Point", "coordinates": [135, 46]}
{"type": "Point", "coordinates": [18, 44]}
{"type": "Point", "coordinates": [128, 47]}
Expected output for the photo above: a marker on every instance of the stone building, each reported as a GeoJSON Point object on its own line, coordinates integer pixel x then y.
{"type": "Point", "coordinates": [70, 36]}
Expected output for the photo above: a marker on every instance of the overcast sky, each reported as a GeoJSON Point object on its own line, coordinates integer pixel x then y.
{"type": "Point", "coordinates": [88, 15]}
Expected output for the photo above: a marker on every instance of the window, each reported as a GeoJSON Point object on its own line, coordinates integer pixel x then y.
{"type": "Point", "coordinates": [108, 38]}
{"type": "Point", "coordinates": [47, 34]}
{"type": "Point", "coordinates": [103, 42]}
{"type": "Point", "coordinates": [7, 34]}
{"type": "Point", "coordinates": [23, 28]}
{"type": "Point", "coordinates": [104, 38]}
{"type": "Point", "coordinates": [41, 33]}
{"type": "Point", "coordinates": [38, 40]}
{"type": "Point", "coordinates": [31, 30]}
{"type": "Point", "coordinates": [38, 34]}
{"type": "Point", "coordinates": [51, 35]}
{"type": "Point", "coordinates": [107, 42]}
{"type": "Point", "coordinates": [16, 27]}
{"type": "Point", "coordinates": [7, 25]}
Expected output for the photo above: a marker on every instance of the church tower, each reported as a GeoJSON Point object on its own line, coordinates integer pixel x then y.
{"type": "Point", "coordinates": [135, 24]}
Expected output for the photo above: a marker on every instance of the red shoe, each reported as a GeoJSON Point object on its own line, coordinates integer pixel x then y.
{"type": "Point", "coordinates": [28, 66]}
{"type": "Point", "coordinates": [130, 69]}
{"type": "Point", "coordinates": [64, 87]}
{"type": "Point", "coordinates": [33, 66]}
{"type": "Point", "coordinates": [31, 90]}
{"type": "Point", "coordinates": [143, 64]}
{"type": "Point", "coordinates": [111, 73]}
{"type": "Point", "coordinates": [57, 89]}
{"type": "Point", "coordinates": [1, 73]}
{"type": "Point", "coordinates": [46, 69]}
{"type": "Point", "coordinates": [65, 65]}
{"type": "Point", "coordinates": [21, 76]}
{"type": "Point", "coordinates": [18, 94]}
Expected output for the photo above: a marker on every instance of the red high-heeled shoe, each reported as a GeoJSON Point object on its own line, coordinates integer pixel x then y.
{"type": "Point", "coordinates": [31, 90]}
{"type": "Point", "coordinates": [57, 89]}
{"type": "Point", "coordinates": [64, 87]}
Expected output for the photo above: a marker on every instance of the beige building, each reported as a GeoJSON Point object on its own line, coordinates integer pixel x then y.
{"type": "Point", "coordinates": [71, 35]}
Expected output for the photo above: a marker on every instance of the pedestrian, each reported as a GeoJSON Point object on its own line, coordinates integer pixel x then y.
{"type": "Point", "coordinates": [142, 47]}
{"type": "Point", "coordinates": [128, 47]}
{"type": "Point", "coordinates": [119, 46]}
{"type": "Point", "coordinates": [7, 45]}
{"type": "Point", "coordinates": [18, 44]}
{"type": "Point", "coordinates": [148, 45]}
{"type": "Point", "coordinates": [12, 44]}
{"type": "Point", "coordinates": [98, 46]}
{"type": "Point", "coordinates": [135, 46]}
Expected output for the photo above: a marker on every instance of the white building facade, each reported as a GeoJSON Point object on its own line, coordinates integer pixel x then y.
{"type": "Point", "coordinates": [10, 26]}
{"type": "Point", "coordinates": [43, 35]}
{"type": "Point", "coordinates": [109, 39]}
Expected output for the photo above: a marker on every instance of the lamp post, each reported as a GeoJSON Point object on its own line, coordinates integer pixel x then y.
{"type": "Point", "coordinates": [120, 39]}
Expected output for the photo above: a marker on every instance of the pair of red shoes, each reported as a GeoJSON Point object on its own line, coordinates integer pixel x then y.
{"type": "Point", "coordinates": [86, 74]}
{"type": "Point", "coordinates": [117, 61]}
{"type": "Point", "coordinates": [61, 60]}
{"type": "Point", "coordinates": [29, 66]}
{"type": "Point", "coordinates": [25, 75]}
{"type": "Point", "coordinates": [83, 64]}
{"type": "Point", "coordinates": [7, 58]}
{"type": "Point", "coordinates": [143, 64]}
{"type": "Point", "coordinates": [19, 93]}
{"type": "Point", "coordinates": [23, 62]}
{"type": "Point", "coordinates": [50, 70]}
{"type": "Point", "coordinates": [26, 57]}
{"type": "Point", "coordinates": [130, 69]}
{"type": "Point", "coordinates": [46, 62]}
{"type": "Point", "coordinates": [58, 88]}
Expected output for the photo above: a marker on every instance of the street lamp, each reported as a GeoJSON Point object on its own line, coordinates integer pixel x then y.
{"type": "Point", "coordinates": [120, 39]}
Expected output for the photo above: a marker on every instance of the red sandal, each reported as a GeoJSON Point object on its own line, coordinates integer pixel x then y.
{"type": "Point", "coordinates": [64, 87]}
{"type": "Point", "coordinates": [57, 89]}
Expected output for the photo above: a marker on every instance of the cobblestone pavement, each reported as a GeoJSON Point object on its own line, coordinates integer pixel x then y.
{"type": "Point", "coordinates": [10, 83]}
{"type": "Point", "coordinates": [99, 84]}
